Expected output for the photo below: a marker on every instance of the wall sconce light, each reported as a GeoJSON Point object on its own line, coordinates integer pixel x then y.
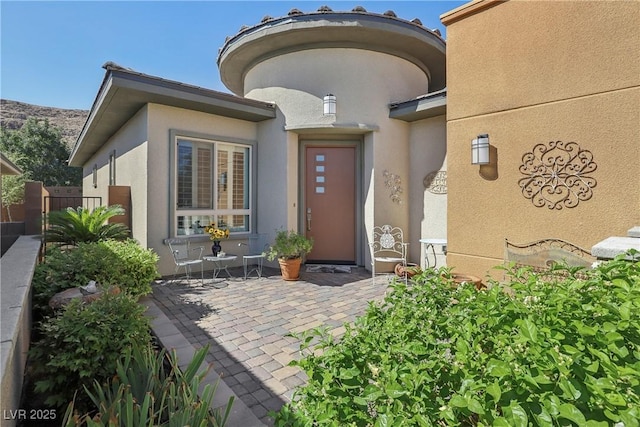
{"type": "Point", "coordinates": [480, 150]}
{"type": "Point", "coordinates": [329, 104]}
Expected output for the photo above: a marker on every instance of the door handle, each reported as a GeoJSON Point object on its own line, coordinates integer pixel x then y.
{"type": "Point", "coordinates": [308, 219]}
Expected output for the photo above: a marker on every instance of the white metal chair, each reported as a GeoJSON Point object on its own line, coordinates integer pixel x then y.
{"type": "Point", "coordinates": [256, 252]}
{"type": "Point", "coordinates": [185, 257]}
{"type": "Point", "coordinates": [388, 246]}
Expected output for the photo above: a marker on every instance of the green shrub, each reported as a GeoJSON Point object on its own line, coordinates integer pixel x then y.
{"type": "Point", "coordinates": [134, 269]}
{"type": "Point", "coordinates": [110, 263]}
{"type": "Point", "coordinates": [83, 343]}
{"type": "Point", "coordinates": [73, 226]}
{"type": "Point", "coordinates": [145, 392]}
{"type": "Point", "coordinates": [558, 351]}
{"type": "Point", "coordinates": [289, 245]}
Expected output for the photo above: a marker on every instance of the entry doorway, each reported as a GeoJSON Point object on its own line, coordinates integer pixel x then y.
{"type": "Point", "coordinates": [330, 202]}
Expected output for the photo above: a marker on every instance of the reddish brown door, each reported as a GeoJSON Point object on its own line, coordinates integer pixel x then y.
{"type": "Point", "coordinates": [330, 203]}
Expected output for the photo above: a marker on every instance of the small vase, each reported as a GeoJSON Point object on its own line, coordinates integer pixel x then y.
{"type": "Point", "coordinates": [216, 248]}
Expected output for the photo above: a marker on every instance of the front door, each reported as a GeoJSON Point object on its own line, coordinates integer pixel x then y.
{"type": "Point", "coordinates": [330, 203]}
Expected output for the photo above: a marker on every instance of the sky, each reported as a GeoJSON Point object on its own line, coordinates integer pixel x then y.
{"type": "Point", "coordinates": [52, 52]}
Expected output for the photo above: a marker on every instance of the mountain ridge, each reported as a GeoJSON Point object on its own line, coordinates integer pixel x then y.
{"type": "Point", "coordinates": [13, 115]}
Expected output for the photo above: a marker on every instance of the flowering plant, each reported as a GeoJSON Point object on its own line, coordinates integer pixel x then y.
{"type": "Point", "coordinates": [216, 233]}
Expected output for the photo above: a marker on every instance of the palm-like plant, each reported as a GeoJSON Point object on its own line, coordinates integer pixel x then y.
{"type": "Point", "coordinates": [73, 226]}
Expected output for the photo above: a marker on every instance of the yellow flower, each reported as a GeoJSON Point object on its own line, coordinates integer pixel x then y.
{"type": "Point", "coordinates": [216, 233]}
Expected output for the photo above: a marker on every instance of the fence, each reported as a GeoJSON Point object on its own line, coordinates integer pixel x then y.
{"type": "Point", "coordinates": [58, 203]}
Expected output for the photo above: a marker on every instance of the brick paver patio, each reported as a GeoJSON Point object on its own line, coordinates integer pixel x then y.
{"type": "Point", "coordinates": [246, 325]}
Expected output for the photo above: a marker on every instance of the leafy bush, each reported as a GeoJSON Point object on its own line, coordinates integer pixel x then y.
{"type": "Point", "coordinates": [83, 343]}
{"type": "Point", "coordinates": [110, 263]}
{"type": "Point", "coordinates": [144, 392]}
{"type": "Point", "coordinates": [559, 351]}
{"type": "Point", "coordinates": [133, 267]}
{"type": "Point", "coordinates": [73, 226]}
{"type": "Point", "coordinates": [289, 245]}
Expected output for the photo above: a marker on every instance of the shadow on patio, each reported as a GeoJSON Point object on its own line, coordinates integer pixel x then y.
{"type": "Point", "coordinates": [246, 324]}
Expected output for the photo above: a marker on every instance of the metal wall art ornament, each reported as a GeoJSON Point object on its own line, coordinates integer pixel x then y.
{"type": "Point", "coordinates": [556, 175]}
{"type": "Point", "coordinates": [393, 181]}
{"type": "Point", "coordinates": [436, 182]}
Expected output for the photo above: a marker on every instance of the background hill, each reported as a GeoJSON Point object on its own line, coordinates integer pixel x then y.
{"type": "Point", "coordinates": [13, 114]}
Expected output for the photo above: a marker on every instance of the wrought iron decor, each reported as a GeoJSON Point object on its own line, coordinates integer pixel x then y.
{"type": "Point", "coordinates": [556, 175]}
{"type": "Point", "coordinates": [393, 181]}
{"type": "Point", "coordinates": [436, 182]}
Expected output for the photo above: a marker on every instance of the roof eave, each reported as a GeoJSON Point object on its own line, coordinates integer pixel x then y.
{"type": "Point", "coordinates": [468, 9]}
{"type": "Point", "coordinates": [366, 31]}
{"type": "Point", "coordinates": [7, 167]}
{"type": "Point", "coordinates": [123, 93]}
{"type": "Point", "coordinates": [431, 105]}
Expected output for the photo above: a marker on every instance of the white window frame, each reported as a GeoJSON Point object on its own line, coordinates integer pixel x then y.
{"type": "Point", "coordinates": [175, 212]}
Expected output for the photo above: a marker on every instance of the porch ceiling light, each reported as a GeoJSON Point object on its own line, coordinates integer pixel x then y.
{"type": "Point", "coordinates": [480, 150]}
{"type": "Point", "coordinates": [329, 105]}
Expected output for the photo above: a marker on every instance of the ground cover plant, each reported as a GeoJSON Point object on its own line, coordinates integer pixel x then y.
{"type": "Point", "coordinates": [548, 350]}
{"type": "Point", "coordinates": [150, 389]}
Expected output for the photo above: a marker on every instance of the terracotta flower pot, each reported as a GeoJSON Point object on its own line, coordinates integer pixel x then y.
{"type": "Point", "coordinates": [459, 278]}
{"type": "Point", "coordinates": [410, 270]}
{"type": "Point", "coordinates": [290, 268]}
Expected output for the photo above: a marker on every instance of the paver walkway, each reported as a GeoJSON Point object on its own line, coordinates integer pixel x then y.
{"type": "Point", "coordinates": [246, 325]}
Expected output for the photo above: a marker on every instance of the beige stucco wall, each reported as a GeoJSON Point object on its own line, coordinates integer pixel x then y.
{"type": "Point", "coordinates": [427, 211]}
{"type": "Point", "coordinates": [162, 120]}
{"type": "Point", "coordinates": [364, 82]}
{"type": "Point", "coordinates": [274, 193]}
{"type": "Point", "coordinates": [529, 73]}
{"type": "Point", "coordinates": [130, 144]}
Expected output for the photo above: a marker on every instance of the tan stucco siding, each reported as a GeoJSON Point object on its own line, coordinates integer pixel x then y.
{"type": "Point", "coordinates": [540, 51]}
{"type": "Point", "coordinates": [483, 211]}
{"type": "Point", "coordinates": [529, 73]}
{"type": "Point", "coordinates": [162, 120]}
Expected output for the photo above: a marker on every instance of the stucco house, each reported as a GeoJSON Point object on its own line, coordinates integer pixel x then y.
{"type": "Point", "coordinates": [336, 123]}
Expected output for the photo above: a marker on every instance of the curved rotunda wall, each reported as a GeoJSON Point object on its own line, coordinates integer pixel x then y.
{"type": "Point", "coordinates": [364, 83]}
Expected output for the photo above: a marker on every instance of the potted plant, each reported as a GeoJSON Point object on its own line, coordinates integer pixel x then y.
{"type": "Point", "coordinates": [288, 248]}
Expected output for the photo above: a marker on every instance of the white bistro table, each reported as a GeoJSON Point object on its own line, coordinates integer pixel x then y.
{"type": "Point", "coordinates": [431, 244]}
{"type": "Point", "coordinates": [220, 263]}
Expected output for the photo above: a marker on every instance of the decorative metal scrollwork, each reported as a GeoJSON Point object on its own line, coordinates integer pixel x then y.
{"type": "Point", "coordinates": [436, 182]}
{"type": "Point", "coordinates": [556, 175]}
{"type": "Point", "coordinates": [393, 181]}
{"type": "Point", "coordinates": [386, 239]}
